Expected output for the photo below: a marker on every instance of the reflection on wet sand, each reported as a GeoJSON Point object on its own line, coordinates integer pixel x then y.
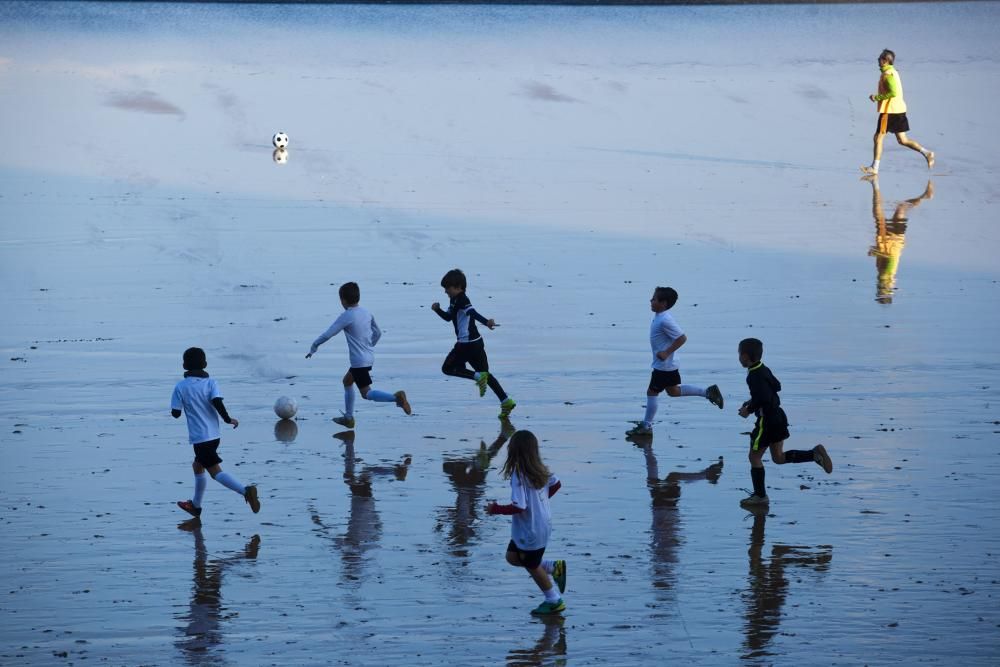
{"type": "Point", "coordinates": [768, 585]}
{"type": "Point", "coordinates": [664, 493]}
{"type": "Point", "coordinates": [550, 649]}
{"type": "Point", "coordinates": [286, 430]}
{"type": "Point", "coordinates": [364, 527]}
{"type": "Point", "coordinates": [201, 632]}
{"type": "Point", "coordinates": [890, 238]}
{"type": "Point", "coordinates": [468, 479]}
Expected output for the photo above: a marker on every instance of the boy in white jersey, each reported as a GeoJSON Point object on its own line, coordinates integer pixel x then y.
{"type": "Point", "coordinates": [665, 337]}
{"type": "Point", "coordinates": [362, 333]}
{"type": "Point", "coordinates": [197, 396]}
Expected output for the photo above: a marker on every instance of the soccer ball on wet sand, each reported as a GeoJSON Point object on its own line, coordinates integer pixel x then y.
{"type": "Point", "coordinates": [280, 140]}
{"type": "Point", "coordinates": [285, 407]}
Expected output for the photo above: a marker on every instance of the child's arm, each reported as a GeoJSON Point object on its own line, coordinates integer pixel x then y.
{"type": "Point", "coordinates": [221, 409]}
{"type": "Point", "coordinates": [664, 354]}
{"type": "Point", "coordinates": [474, 314]}
{"type": "Point", "coordinates": [376, 333]}
{"type": "Point", "coordinates": [445, 315]}
{"type": "Point", "coordinates": [338, 325]}
{"type": "Point", "coordinates": [496, 508]}
{"type": "Point", "coordinates": [175, 404]}
{"type": "Point", "coordinates": [554, 488]}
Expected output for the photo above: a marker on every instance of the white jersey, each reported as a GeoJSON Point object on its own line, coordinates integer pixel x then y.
{"type": "Point", "coordinates": [361, 333]}
{"type": "Point", "coordinates": [531, 528]}
{"type": "Point", "coordinates": [662, 333]}
{"type": "Point", "coordinates": [193, 396]}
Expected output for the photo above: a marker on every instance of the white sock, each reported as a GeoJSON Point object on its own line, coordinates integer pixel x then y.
{"type": "Point", "coordinates": [200, 482]}
{"type": "Point", "coordinates": [349, 401]}
{"type": "Point", "coordinates": [924, 152]}
{"type": "Point", "coordinates": [691, 390]}
{"type": "Point", "coordinates": [551, 595]}
{"type": "Point", "coordinates": [875, 164]}
{"type": "Point", "coordinates": [548, 565]}
{"type": "Point", "coordinates": [230, 482]}
{"type": "Point", "coordinates": [380, 396]}
{"type": "Point", "coordinates": [652, 402]}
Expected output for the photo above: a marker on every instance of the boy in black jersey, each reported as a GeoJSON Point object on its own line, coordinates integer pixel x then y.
{"type": "Point", "coordinates": [771, 428]}
{"type": "Point", "coordinates": [470, 348]}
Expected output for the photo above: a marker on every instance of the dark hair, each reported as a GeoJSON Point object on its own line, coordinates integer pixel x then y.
{"type": "Point", "coordinates": [350, 293]}
{"type": "Point", "coordinates": [888, 56]}
{"type": "Point", "coordinates": [194, 359]}
{"type": "Point", "coordinates": [753, 348]}
{"type": "Point", "coordinates": [666, 295]}
{"type": "Point", "coordinates": [524, 459]}
{"type": "Point", "coordinates": [454, 278]}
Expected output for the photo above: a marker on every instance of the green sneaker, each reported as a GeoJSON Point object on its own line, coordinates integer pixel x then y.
{"type": "Point", "coordinates": [345, 421]}
{"type": "Point", "coordinates": [640, 429]}
{"type": "Point", "coordinates": [507, 407]}
{"type": "Point", "coordinates": [548, 608]}
{"type": "Point", "coordinates": [559, 575]}
{"type": "Point", "coordinates": [482, 382]}
{"type": "Point", "coordinates": [714, 395]}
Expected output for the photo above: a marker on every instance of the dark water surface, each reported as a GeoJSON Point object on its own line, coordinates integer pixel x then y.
{"type": "Point", "coordinates": [569, 161]}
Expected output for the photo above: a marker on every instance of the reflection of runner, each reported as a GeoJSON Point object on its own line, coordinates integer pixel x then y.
{"type": "Point", "coordinates": [201, 633]}
{"type": "Point", "coordinates": [892, 113]}
{"type": "Point", "coordinates": [364, 526]}
{"type": "Point", "coordinates": [890, 238]}
{"type": "Point", "coordinates": [768, 583]}
{"type": "Point", "coordinates": [468, 479]}
{"type": "Point", "coordinates": [550, 648]}
{"type": "Point", "coordinates": [664, 493]}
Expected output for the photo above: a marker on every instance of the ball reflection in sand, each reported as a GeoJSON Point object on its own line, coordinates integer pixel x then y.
{"type": "Point", "coordinates": [285, 430]}
{"type": "Point", "coordinates": [280, 155]}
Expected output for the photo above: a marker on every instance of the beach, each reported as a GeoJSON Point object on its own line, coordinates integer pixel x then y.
{"type": "Point", "coordinates": [569, 160]}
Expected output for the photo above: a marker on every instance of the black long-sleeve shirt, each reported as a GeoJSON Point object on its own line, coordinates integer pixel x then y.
{"type": "Point", "coordinates": [764, 387]}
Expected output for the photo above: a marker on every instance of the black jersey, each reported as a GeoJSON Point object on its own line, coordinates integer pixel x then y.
{"type": "Point", "coordinates": [764, 387]}
{"type": "Point", "coordinates": [461, 313]}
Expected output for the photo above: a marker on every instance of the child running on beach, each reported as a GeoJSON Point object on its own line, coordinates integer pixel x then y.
{"type": "Point", "coordinates": [362, 333]}
{"type": "Point", "coordinates": [470, 348]}
{"type": "Point", "coordinates": [531, 486]}
{"type": "Point", "coordinates": [771, 429]}
{"type": "Point", "coordinates": [665, 337]}
{"type": "Point", "coordinates": [197, 396]}
{"type": "Point", "coordinates": [891, 113]}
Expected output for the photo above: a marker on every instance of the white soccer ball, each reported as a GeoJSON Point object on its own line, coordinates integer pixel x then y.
{"type": "Point", "coordinates": [280, 140]}
{"type": "Point", "coordinates": [285, 407]}
{"type": "Point", "coordinates": [280, 155]}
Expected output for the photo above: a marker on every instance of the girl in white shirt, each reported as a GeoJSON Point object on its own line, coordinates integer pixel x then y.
{"type": "Point", "coordinates": [531, 486]}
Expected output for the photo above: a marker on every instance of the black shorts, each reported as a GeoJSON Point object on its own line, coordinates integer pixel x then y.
{"type": "Point", "coordinates": [660, 380]}
{"type": "Point", "coordinates": [769, 430]}
{"type": "Point", "coordinates": [529, 559]}
{"type": "Point", "coordinates": [892, 123]}
{"type": "Point", "coordinates": [473, 354]}
{"type": "Point", "coordinates": [205, 453]}
{"type": "Point", "coordinates": [362, 376]}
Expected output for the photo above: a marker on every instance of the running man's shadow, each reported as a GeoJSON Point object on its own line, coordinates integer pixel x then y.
{"type": "Point", "coordinates": [202, 632]}
{"type": "Point", "coordinates": [890, 238]}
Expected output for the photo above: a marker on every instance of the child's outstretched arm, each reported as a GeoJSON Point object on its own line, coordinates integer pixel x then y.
{"type": "Point", "coordinates": [554, 488]}
{"type": "Point", "coordinates": [496, 508]}
{"type": "Point", "coordinates": [338, 325]}
{"type": "Point", "coordinates": [474, 314]}
{"type": "Point", "coordinates": [446, 315]}
{"type": "Point", "coordinates": [376, 333]}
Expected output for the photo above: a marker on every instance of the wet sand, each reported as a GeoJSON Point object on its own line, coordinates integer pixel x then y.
{"type": "Point", "coordinates": [569, 160]}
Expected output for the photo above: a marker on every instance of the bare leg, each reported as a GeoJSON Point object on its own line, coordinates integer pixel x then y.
{"type": "Point", "coordinates": [876, 154]}
{"type": "Point", "coordinates": [541, 577]}
{"type": "Point", "coordinates": [913, 145]}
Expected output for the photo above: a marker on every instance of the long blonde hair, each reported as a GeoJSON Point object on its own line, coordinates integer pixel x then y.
{"type": "Point", "coordinates": [523, 459]}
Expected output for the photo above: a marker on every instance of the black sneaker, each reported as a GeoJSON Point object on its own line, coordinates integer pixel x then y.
{"type": "Point", "coordinates": [189, 507]}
